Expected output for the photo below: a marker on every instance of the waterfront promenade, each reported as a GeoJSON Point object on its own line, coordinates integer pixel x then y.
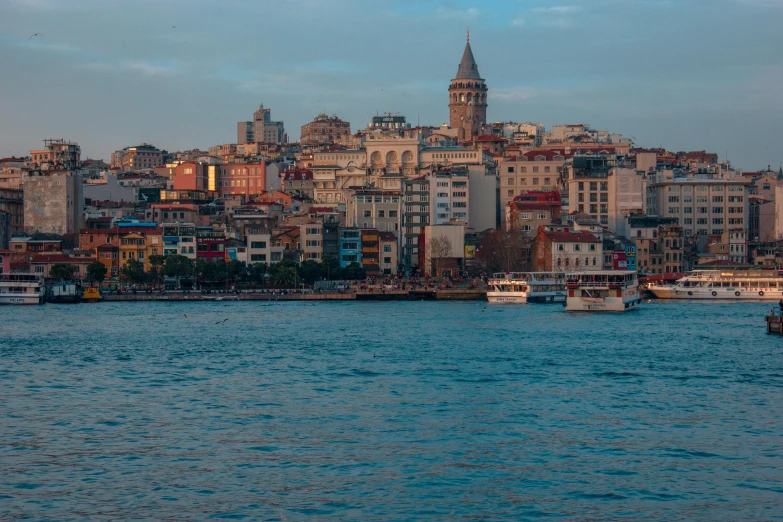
{"type": "Point", "coordinates": [383, 295]}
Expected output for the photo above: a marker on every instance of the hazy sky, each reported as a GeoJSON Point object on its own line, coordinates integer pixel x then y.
{"type": "Point", "coordinates": [682, 74]}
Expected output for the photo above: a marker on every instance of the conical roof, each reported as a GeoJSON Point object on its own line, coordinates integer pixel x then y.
{"type": "Point", "coordinates": [468, 70]}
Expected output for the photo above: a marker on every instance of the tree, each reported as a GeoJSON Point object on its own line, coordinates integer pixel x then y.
{"type": "Point", "coordinates": [439, 249]}
{"type": "Point", "coordinates": [96, 272]}
{"type": "Point", "coordinates": [177, 266]}
{"type": "Point", "coordinates": [157, 264]}
{"type": "Point", "coordinates": [504, 251]}
{"type": "Point", "coordinates": [257, 272]}
{"type": "Point", "coordinates": [286, 276]}
{"type": "Point", "coordinates": [310, 271]}
{"type": "Point", "coordinates": [63, 272]}
{"type": "Point", "coordinates": [133, 271]}
{"type": "Point", "coordinates": [330, 267]}
{"type": "Point", "coordinates": [354, 271]}
{"type": "Point", "coordinates": [237, 271]}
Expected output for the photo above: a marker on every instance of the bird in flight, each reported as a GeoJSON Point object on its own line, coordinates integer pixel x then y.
{"type": "Point", "coordinates": [223, 321]}
{"type": "Point", "coordinates": [35, 34]}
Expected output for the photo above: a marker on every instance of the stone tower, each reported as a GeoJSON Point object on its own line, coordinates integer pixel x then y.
{"type": "Point", "coordinates": [467, 97]}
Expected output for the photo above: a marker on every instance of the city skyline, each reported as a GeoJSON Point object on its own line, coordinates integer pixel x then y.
{"type": "Point", "coordinates": [117, 78]}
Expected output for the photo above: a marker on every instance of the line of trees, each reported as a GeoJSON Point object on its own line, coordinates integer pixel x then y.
{"type": "Point", "coordinates": [286, 273]}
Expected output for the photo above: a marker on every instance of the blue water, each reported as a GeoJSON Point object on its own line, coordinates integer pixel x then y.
{"type": "Point", "coordinates": [379, 411]}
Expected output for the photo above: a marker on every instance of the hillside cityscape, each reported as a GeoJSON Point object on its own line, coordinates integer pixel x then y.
{"type": "Point", "coordinates": [462, 199]}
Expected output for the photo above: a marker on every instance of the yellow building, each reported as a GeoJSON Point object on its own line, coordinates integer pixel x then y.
{"type": "Point", "coordinates": [140, 246]}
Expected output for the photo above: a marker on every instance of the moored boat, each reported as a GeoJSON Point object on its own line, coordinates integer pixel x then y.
{"type": "Point", "coordinates": [738, 285]}
{"type": "Point", "coordinates": [524, 287]}
{"type": "Point", "coordinates": [602, 291]}
{"type": "Point", "coordinates": [21, 289]}
{"type": "Point", "coordinates": [64, 292]}
{"type": "Point", "coordinates": [92, 295]}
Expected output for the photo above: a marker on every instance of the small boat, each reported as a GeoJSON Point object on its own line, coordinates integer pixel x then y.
{"type": "Point", "coordinates": [736, 285]}
{"type": "Point", "coordinates": [525, 287]}
{"type": "Point", "coordinates": [92, 295]}
{"type": "Point", "coordinates": [22, 289]}
{"type": "Point", "coordinates": [602, 291]}
{"type": "Point", "coordinates": [65, 292]}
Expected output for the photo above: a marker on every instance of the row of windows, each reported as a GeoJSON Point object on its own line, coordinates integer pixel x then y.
{"type": "Point", "coordinates": [577, 247]}
{"type": "Point", "coordinates": [523, 181]}
{"type": "Point", "coordinates": [381, 213]}
{"type": "Point", "coordinates": [524, 169]}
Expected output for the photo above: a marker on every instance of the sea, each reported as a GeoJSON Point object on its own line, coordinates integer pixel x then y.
{"type": "Point", "coordinates": [389, 411]}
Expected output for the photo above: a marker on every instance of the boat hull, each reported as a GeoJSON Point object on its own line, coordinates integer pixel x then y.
{"type": "Point", "coordinates": [21, 299]}
{"type": "Point", "coordinates": [734, 294]}
{"type": "Point", "coordinates": [607, 304]}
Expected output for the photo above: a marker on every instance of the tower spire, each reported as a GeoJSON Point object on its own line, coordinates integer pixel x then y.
{"type": "Point", "coordinates": [467, 33]}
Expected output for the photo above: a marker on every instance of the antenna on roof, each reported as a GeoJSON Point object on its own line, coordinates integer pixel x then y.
{"type": "Point", "coordinates": [467, 33]}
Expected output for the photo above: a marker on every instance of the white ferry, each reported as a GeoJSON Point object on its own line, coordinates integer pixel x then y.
{"type": "Point", "coordinates": [602, 291]}
{"type": "Point", "coordinates": [742, 285]}
{"type": "Point", "coordinates": [524, 287]}
{"type": "Point", "coordinates": [21, 289]}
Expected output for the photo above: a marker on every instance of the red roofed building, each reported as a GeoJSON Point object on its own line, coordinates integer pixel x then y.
{"type": "Point", "coordinates": [533, 170]}
{"type": "Point", "coordinates": [566, 250]}
{"type": "Point", "coordinates": [531, 210]}
{"type": "Point", "coordinates": [298, 181]}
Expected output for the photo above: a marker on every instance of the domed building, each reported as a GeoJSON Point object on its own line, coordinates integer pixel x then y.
{"type": "Point", "coordinates": [467, 97]}
{"type": "Point", "coordinates": [324, 129]}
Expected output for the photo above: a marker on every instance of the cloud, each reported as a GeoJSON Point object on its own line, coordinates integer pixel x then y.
{"type": "Point", "coordinates": [558, 9]}
{"type": "Point", "coordinates": [513, 94]}
{"type": "Point", "coordinates": [146, 68]}
{"type": "Point", "coordinates": [450, 13]}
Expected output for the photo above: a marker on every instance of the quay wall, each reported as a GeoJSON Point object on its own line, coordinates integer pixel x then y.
{"type": "Point", "coordinates": [413, 295]}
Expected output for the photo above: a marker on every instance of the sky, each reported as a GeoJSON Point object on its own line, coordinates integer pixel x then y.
{"type": "Point", "coordinates": [680, 74]}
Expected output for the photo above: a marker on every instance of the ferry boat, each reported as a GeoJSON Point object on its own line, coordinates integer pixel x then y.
{"type": "Point", "coordinates": [602, 291]}
{"type": "Point", "coordinates": [740, 285]}
{"type": "Point", "coordinates": [524, 287]}
{"type": "Point", "coordinates": [21, 289]}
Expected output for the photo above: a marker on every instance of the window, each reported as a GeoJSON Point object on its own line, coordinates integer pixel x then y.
{"type": "Point", "coordinates": [367, 213]}
{"type": "Point", "coordinates": [511, 193]}
{"type": "Point", "coordinates": [381, 213]}
{"type": "Point", "coordinates": [547, 181]}
{"type": "Point", "coordinates": [717, 210]}
{"type": "Point", "coordinates": [258, 244]}
{"type": "Point", "coordinates": [387, 248]}
{"type": "Point", "coordinates": [256, 258]}
{"type": "Point", "coordinates": [535, 169]}
{"type": "Point", "coordinates": [593, 185]}
{"type": "Point", "coordinates": [511, 170]}
{"type": "Point", "coordinates": [687, 221]}
{"type": "Point", "coordinates": [560, 248]}
{"type": "Point", "coordinates": [387, 260]}
{"type": "Point", "coordinates": [541, 215]}
{"type": "Point", "coordinates": [577, 247]}
{"type": "Point", "coordinates": [687, 210]}
{"type": "Point", "coordinates": [510, 181]}
{"type": "Point", "coordinates": [592, 248]}
{"type": "Point", "coordinates": [535, 181]}
{"type": "Point", "coordinates": [674, 199]}
{"type": "Point", "coordinates": [702, 210]}
{"type": "Point", "coordinates": [276, 256]}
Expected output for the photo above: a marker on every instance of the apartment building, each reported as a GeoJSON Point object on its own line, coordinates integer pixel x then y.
{"type": "Point", "coordinates": [450, 194]}
{"type": "Point", "coordinates": [702, 204]}
{"type": "Point", "coordinates": [537, 170]}
{"type": "Point", "coordinates": [370, 208]}
{"type": "Point", "coordinates": [416, 216]}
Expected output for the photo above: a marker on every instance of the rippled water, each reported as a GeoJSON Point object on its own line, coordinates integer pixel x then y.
{"type": "Point", "coordinates": [288, 411]}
